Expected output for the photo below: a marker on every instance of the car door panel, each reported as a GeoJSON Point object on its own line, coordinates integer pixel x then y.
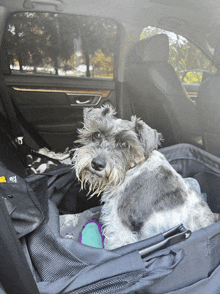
{"type": "Point", "coordinates": [53, 106]}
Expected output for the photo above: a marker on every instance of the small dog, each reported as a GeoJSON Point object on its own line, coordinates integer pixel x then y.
{"type": "Point", "coordinates": [142, 194]}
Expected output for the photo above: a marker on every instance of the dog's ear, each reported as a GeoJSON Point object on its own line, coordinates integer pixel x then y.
{"type": "Point", "coordinates": [149, 138]}
{"type": "Point", "coordinates": [106, 110]}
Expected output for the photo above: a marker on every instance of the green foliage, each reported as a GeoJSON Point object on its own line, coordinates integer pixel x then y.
{"type": "Point", "coordinates": [193, 77]}
{"type": "Point", "coordinates": [32, 40]}
{"type": "Point", "coordinates": [53, 43]}
{"type": "Point", "coordinates": [101, 61]}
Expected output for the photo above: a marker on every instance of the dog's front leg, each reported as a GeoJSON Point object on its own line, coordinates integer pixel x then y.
{"type": "Point", "coordinates": [115, 232]}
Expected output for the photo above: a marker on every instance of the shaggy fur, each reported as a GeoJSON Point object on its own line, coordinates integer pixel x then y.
{"type": "Point", "coordinates": [142, 194]}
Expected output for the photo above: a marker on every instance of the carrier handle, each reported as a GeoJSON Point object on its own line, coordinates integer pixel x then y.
{"type": "Point", "coordinates": [171, 237]}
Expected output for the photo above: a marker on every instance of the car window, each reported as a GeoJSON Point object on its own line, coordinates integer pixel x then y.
{"type": "Point", "coordinates": [58, 44]}
{"type": "Point", "coordinates": [189, 62]}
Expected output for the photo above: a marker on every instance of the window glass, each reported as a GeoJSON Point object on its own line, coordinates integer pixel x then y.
{"type": "Point", "coordinates": [58, 44]}
{"type": "Point", "coordinates": [189, 62]}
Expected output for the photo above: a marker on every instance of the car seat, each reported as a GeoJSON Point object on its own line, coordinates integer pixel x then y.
{"type": "Point", "coordinates": [156, 94]}
{"type": "Point", "coordinates": [208, 101]}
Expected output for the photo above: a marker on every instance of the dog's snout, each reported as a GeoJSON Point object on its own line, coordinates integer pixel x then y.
{"type": "Point", "coordinates": [98, 163]}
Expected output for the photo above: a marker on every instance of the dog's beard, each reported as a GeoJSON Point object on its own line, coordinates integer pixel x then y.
{"type": "Point", "coordinates": [94, 181]}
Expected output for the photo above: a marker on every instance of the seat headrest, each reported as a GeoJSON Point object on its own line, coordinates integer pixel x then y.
{"type": "Point", "coordinates": [154, 48]}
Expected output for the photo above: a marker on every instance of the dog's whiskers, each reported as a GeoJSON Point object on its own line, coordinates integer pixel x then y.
{"type": "Point", "coordinates": [97, 191]}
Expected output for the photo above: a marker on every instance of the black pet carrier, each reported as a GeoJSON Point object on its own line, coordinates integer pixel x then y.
{"type": "Point", "coordinates": [35, 258]}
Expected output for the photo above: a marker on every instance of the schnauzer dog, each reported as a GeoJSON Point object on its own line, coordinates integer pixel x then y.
{"type": "Point", "coordinates": [142, 194]}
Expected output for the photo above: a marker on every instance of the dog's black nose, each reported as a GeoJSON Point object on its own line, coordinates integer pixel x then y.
{"type": "Point", "coordinates": [98, 163]}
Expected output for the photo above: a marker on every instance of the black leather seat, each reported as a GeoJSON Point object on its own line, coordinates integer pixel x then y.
{"type": "Point", "coordinates": [208, 101]}
{"type": "Point", "coordinates": [156, 94]}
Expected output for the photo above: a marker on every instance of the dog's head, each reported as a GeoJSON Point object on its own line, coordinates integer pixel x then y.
{"type": "Point", "coordinates": [110, 147]}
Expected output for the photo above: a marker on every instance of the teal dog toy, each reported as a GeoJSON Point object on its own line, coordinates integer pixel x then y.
{"type": "Point", "coordinates": [92, 235]}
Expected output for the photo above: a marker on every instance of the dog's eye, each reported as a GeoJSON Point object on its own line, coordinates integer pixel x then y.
{"type": "Point", "coordinates": [96, 136]}
{"type": "Point", "coordinates": [123, 145]}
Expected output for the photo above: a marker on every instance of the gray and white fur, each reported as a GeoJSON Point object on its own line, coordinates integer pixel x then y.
{"type": "Point", "coordinates": [142, 194]}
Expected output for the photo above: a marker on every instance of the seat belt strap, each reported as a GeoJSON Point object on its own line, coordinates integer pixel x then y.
{"type": "Point", "coordinates": [9, 108]}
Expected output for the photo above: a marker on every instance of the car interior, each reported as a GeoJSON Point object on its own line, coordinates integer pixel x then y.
{"type": "Point", "coordinates": [79, 65]}
{"type": "Point", "coordinates": [156, 59]}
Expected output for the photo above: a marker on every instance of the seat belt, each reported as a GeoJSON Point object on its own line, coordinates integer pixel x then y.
{"type": "Point", "coordinates": [15, 128]}
{"type": "Point", "coordinates": [15, 274]}
{"type": "Point", "coordinates": [17, 119]}
{"type": "Point", "coordinates": [9, 108]}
